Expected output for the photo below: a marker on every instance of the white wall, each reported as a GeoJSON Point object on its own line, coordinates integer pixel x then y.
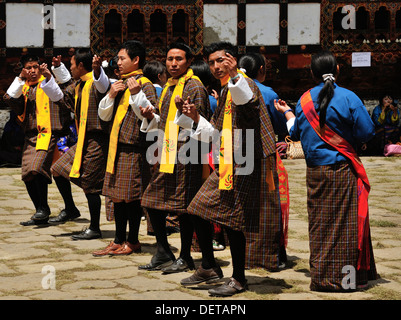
{"type": "Point", "coordinates": [72, 25]}
{"type": "Point", "coordinates": [303, 23]}
{"type": "Point", "coordinates": [262, 24]}
{"type": "Point", "coordinates": [220, 23]}
{"type": "Point", "coordinates": [24, 25]}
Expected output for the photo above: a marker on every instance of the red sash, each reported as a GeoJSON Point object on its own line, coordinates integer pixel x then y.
{"type": "Point", "coordinates": [342, 146]}
{"type": "Point", "coordinates": [284, 199]}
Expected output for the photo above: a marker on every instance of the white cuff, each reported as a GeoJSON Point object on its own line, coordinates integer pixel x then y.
{"type": "Point", "coordinates": [52, 89]}
{"type": "Point", "coordinates": [153, 124]}
{"type": "Point", "coordinates": [61, 73]}
{"type": "Point", "coordinates": [105, 109]}
{"type": "Point", "coordinates": [240, 91]}
{"type": "Point", "coordinates": [101, 84]}
{"type": "Point", "coordinates": [183, 121]}
{"type": "Point", "coordinates": [15, 89]}
{"type": "Point", "coordinates": [139, 100]}
{"type": "Point", "coordinates": [290, 123]}
{"type": "Point", "coordinates": [204, 130]}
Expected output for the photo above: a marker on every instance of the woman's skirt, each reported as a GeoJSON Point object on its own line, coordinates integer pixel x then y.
{"type": "Point", "coordinates": [333, 228]}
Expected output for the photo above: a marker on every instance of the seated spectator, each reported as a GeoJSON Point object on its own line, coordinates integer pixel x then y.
{"type": "Point", "coordinates": [386, 118]}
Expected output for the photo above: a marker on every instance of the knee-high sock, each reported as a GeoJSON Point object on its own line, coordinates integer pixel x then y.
{"type": "Point", "coordinates": [120, 220]}
{"type": "Point", "coordinates": [94, 204]}
{"type": "Point", "coordinates": [42, 185]}
{"type": "Point", "coordinates": [237, 247]}
{"type": "Point", "coordinates": [64, 187]}
{"type": "Point", "coordinates": [158, 221]}
{"type": "Point", "coordinates": [204, 233]}
{"type": "Point", "coordinates": [33, 193]}
{"type": "Point", "coordinates": [186, 233]}
{"type": "Point", "coordinates": [134, 214]}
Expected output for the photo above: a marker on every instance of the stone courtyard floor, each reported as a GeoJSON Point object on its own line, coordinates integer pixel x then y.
{"type": "Point", "coordinates": [29, 255]}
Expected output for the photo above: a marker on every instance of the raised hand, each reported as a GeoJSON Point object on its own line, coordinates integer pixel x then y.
{"type": "Point", "coordinates": [189, 109]}
{"type": "Point", "coordinates": [56, 61]}
{"type": "Point", "coordinates": [230, 64]}
{"type": "Point", "coordinates": [134, 86]}
{"type": "Point", "coordinates": [45, 71]}
{"type": "Point", "coordinates": [115, 88]}
{"type": "Point", "coordinates": [96, 65]}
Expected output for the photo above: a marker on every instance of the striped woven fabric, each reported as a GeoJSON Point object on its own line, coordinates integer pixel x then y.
{"type": "Point", "coordinates": [249, 207]}
{"type": "Point", "coordinates": [93, 166]}
{"type": "Point", "coordinates": [131, 176]}
{"type": "Point", "coordinates": [173, 192]}
{"type": "Point", "coordinates": [333, 227]}
{"type": "Point", "coordinates": [37, 161]}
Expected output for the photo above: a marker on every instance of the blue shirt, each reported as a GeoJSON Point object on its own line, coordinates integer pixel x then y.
{"type": "Point", "coordinates": [346, 115]}
{"type": "Point", "coordinates": [213, 103]}
{"type": "Point", "coordinates": [376, 114]}
{"type": "Point", "coordinates": [278, 119]}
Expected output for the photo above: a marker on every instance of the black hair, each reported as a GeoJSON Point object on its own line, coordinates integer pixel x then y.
{"type": "Point", "coordinates": [152, 69]}
{"type": "Point", "coordinates": [201, 69]}
{"type": "Point", "coordinates": [252, 62]}
{"type": "Point", "coordinates": [111, 67]}
{"type": "Point", "coordinates": [322, 63]}
{"type": "Point", "coordinates": [134, 49]}
{"type": "Point", "coordinates": [182, 46]}
{"type": "Point", "coordinates": [386, 94]}
{"type": "Point", "coordinates": [29, 58]}
{"type": "Point", "coordinates": [84, 55]}
{"type": "Point", "coordinates": [218, 46]}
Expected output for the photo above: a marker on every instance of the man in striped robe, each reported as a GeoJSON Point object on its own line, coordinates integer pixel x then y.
{"type": "Point", "coordinates": [35, 97]}
{"type": "Point", "coordinates": [173, 185]}
{"type": "Point", "coordinates": [85, 162]}
{"type": "Point", "coordinates": [235, 200]}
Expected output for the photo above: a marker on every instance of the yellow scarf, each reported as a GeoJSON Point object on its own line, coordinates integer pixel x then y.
{"type": "Point", "coordinates": [170, 139]}
{"type": "Point", "coordinates": [226, 147]}
{"type": "Point", "coordinates": [118, 119]}
{"type": "Point", "coordinates": [88, 78]}
{"type": "Point", "coordinates": [43, 121]}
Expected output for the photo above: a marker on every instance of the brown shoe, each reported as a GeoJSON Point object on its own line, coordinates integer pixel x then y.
{"type": "Point", "coordinates": [126, 249]}
{"type": "Point", "coordinates": [203, 275]}
{"type": "Point", "coordinates": [111, 247]}
{"type": "Point", "coordinates": [228, 289]}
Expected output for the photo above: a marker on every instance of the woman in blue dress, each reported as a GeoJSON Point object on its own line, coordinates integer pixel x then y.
{"type": "Point", "coordinates": [330, 121]}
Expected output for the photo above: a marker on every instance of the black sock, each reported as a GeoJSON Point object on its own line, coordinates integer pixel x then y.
{"type": "Point", "coordinates": [204, 233]}
{"type": "Point", "coordinates": [237, 247]}
{"type": "Point", "coordinates": [186, 233]}
{"type": "Point", "coordinates": [94, 204]}
{"type": "Point", "coordinates": [64, 187]}
{"type": "Point", "coordinates": [42, 185]}
{"type": "Point", "coordinates": [120, 219]}
{"type": "Point", "coordinates": [134, 214]}
{"type": "Point", "coordinates": [33, 193]}
{"type": "Point", "coordinates": [158, 221]}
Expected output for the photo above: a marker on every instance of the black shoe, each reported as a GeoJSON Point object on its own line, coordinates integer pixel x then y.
{"type": "Point", "coordinates": [41, 214]}
{"type": "Point", "coordinates": [65, 215]}
{"type": "Point", "coordinates": [87, 234]}
{"type": "Point", "coordinates": [156, 263]}
{"type": "Point", "coordinates": [228, 289]}
{"type": "Point", "coordinates": [180, 265]}
{"type": "Point", "coordinates": [33, 222]}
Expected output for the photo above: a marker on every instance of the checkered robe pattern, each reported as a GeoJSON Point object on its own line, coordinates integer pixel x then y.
{"type": "Point", "coordinates": [132, 171]}
{"type": "Point", "coordinates": [173, 192]}
{"type": "Point", "coordinates": [94, 154]}
{"type": "Point", "coordinates": [39, 161]}
{"type": "Point", "coordinates": [249, 207]}
{"type": "Point", "coordinates": [333, 227]}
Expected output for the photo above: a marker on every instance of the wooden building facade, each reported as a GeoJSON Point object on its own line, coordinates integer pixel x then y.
{"type": "Point", "coordinates": [287, 32]}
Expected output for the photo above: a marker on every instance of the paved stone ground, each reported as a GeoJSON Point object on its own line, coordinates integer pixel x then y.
{"type": "Point", "coordinates": [26, 252]}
